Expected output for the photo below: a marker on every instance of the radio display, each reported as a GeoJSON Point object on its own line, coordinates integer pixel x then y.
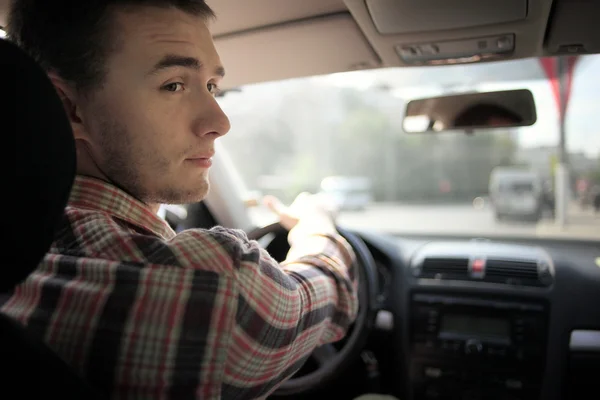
{"type": "Point", "coordinates": [468, 325]}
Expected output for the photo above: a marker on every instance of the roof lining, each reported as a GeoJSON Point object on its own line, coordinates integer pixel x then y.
{"type": "Point", "coordinates": [282, 24]}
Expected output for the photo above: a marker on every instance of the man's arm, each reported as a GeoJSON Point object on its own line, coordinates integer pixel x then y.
{"type": "Point", "coordinates": [207, 314]}
{"type": "Point", "coordinates": [285, 311]}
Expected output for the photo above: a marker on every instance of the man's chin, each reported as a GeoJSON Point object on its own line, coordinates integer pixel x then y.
{"type": "Point", "coordinates": [195, 196]}
{"type": "Point", "coordinates": [185, 196]}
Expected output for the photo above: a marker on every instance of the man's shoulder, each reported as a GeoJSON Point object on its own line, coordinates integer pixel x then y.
{"type": "Point", "coordinates": [219, 241]}
{"type": "Point", "coordinates": [224, 235]}
{"type": "Point", "coordinates": [87, 233]}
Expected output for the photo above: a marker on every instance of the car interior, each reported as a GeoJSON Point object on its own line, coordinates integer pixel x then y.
{"type": "Point", "coordinates": [442, 316]}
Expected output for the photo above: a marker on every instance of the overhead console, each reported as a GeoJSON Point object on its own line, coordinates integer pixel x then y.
{"type": "Point", "coordinates": [437, 32]}
{"type": "Point", "coordinates": [409, 16]}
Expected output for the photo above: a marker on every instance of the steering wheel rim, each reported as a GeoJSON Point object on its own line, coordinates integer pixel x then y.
{"type": "Point", "coordinates": [332, 362]}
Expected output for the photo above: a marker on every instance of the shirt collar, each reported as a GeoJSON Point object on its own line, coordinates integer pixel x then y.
{"type": "Point", "coordinates": [95, 194]}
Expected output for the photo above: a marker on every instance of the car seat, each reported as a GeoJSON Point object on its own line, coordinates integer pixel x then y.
{"type": "Point", "coordinates": [40, 180]}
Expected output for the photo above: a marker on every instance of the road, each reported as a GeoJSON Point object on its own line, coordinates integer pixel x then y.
{"type": "Point", "coordinates": [458, 219]}
{"type": "Point", "coordinates": [462, 220]}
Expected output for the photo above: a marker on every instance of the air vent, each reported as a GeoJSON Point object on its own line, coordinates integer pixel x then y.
{"type": "Point", "coordinates": [516, 272]}
{"type": "Point", "coordinates": [483, 262]}
{"type": "Point", "coordinates": [449, 268]}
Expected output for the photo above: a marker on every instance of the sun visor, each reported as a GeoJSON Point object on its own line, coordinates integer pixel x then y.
{"type": "Point", "coordinates": [407, 16]}
{"type": "Point", "coordinates": [572, 28]}
{"type": "Point", "coordinates": [306, 48]}
{"type": "Point", "coordinates": [3, 11]}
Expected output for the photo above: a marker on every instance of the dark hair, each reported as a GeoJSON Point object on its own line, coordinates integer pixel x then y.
{"type": "Point", "coordinates": [73, 37]}
{"type": "Point", "coordinates": [479, 115]}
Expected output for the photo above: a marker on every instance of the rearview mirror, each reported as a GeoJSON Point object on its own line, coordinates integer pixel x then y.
{"type": "Point", "coordinates": [470, 111]}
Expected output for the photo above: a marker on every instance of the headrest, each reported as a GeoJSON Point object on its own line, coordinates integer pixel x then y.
{"type": "Point", "coordinates": [34, 120]}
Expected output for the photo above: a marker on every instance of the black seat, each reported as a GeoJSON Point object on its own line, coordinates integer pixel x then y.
{"type": "Point", "coordinates": [42, 175]}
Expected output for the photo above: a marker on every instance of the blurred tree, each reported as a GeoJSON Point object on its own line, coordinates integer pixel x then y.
{"type": "Point", "coordinates": [304, 176]}
{"type": "Point", "coordinates": [301, 138]}
{"type": "Point", "coordinates": [595, 174]}
{"type": "Point", "coordinates": [363, 139]}
{"type": "Point", "coordinates": [261, 148]}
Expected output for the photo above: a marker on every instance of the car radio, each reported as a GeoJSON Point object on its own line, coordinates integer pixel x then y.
{"type": "Point", "coordinates": [479, 348]}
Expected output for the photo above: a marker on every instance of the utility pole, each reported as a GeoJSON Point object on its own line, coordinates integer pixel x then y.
{"type": "Point", "coordinates": [562, 181]}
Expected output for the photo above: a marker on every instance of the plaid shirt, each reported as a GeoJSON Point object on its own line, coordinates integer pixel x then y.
{"type": "Point", "coordinates": [143, 312]}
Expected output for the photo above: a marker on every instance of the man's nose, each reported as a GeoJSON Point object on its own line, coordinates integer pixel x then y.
{"type": "Point", "coordinates": [212, 119]}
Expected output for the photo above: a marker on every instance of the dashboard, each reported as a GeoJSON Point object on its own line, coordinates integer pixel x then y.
{"type": "Point", "coordinates": [488, 319]}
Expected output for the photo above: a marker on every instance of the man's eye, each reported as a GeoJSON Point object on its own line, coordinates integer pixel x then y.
{"type": "Point", "coordinates": [173, 87]}
{"type": "Point", "coordinates": [213, 88]}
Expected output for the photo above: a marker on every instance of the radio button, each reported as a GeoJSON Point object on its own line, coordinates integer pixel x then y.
{"type": "Point", "coordinates": [432, 372]}
{"type": "Point", "coordinates": [514, 384]}
{"type": "Point", "coordinates": [451, 346]}
{"type": "Point", "coordinates": [425, 347]}
{"type": "Point", "coordinates": [473, 346]}
{"type": "Point", "coordinates": [495, 351]}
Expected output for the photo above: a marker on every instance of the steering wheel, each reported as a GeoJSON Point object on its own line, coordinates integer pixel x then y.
{"type": "Point", "coordinates": [332, 361]}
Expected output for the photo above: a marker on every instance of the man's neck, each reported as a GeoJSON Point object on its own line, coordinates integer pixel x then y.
{"type": "Point", "coordinates": [87, 167]}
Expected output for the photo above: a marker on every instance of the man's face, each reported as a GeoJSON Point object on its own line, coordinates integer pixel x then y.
{"type": "Point", "coordinates": [151, 127]}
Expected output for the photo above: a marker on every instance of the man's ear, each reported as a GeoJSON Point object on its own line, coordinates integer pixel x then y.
{"type": "Point", "coordinates": [69, 98]}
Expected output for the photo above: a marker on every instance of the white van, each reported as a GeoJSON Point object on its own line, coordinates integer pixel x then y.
{"type": "Point", "coordinates": [516, 193]}
{"type": "Point", "coordinates": [347, 192]}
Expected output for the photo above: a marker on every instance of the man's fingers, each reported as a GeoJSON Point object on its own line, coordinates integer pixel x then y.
{"type": "Point", "coordinates": [305, 207]}
{"type": "Point", "coordinates": [274, 204]}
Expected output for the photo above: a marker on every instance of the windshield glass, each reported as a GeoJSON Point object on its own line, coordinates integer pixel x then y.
{"type": "Point", "coordinates": [341, 136]}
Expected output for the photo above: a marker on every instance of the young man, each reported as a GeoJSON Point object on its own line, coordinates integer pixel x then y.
{"type": "Point", "coordinates": [138, 310]}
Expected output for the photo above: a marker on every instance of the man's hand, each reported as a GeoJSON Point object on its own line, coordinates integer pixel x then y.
{"type": "Point", "coordinates": [307, 213]}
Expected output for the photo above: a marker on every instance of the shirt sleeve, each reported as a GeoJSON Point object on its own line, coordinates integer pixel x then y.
{"type": "Point", "coordinates": [206, 314]}
{"type": "Point", "coordinates": [286, 310]}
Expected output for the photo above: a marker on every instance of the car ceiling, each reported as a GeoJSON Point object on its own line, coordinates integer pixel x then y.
{"type": "Point", "coordinates": [266, 40]}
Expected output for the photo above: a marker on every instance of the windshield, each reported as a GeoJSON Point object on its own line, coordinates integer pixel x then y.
{"type": "Point", "coordinates": [341, 136]}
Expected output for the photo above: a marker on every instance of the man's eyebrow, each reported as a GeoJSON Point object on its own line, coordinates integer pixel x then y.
{"type": "Point", "coordinates": [173, 60]}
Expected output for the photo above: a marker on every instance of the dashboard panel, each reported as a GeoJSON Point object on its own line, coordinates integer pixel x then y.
{"type": "Point", "coordinates": [489, 319]}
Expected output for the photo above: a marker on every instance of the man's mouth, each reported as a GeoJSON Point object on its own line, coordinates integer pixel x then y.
{"type": "Point", "coordinates": [201, 160]}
